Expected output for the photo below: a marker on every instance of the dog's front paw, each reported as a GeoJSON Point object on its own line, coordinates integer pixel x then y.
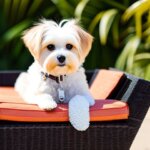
{"type": "Point", "coordinates": [46, 102]}
{"type": "Point", "coordinates": [47, 105]}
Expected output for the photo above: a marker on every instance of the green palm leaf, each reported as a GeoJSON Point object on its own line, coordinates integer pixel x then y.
{"type": "Point", "coordinates": [35, 5]}
{"type": "Point", "coordinates": [126, 59]}
{"type": "Point", "coordinates": [22, 8]}
{"type": "Point", "coordinates": [80, 7]}
{"type": "Point", "coordinates": [147, 72]}
{"type": "Point", "coordinates": [65, 8]}
{"type": "Point", "coordinates": [137, 10]}
{"type": "Point", "coordinates": [140, 6]}
{"type": "Point", "coordinates": [95, 21]}
{"type": "Point", "coordinates": [14, 10]}
{"type": "Point", "coordinates": [6, 7]}
{"type": "Point", "coordinates": [142, 56]}
{"type": "Point", "coordinates": [14, 31]}
{"type": "Point", "coordinates": [115, 31]}
{"type": "Point", "coordinates": [105, 24]}
{"type": "Point", "coordinates": [115, 4]}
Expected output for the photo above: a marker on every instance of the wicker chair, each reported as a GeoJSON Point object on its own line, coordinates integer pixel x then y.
{"type": "Point", "coordinates": [112, 135]}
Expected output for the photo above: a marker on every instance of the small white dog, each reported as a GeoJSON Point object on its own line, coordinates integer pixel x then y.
{"type": "Point", "coordinates": [56, 74]}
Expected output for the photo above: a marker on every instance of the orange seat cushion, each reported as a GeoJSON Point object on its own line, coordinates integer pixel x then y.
{"type": "Point", "coordinates": [104, 83]}
{"type": "Point", "coordinates": [13, 108]}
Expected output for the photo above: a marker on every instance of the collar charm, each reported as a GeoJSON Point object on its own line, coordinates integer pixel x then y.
{"type": "Point", "coordinates": [44, 76]}
{"type": "Point", "coordinates": [59, 79]}
{"type": "Point", "coordinates": [61, 95]}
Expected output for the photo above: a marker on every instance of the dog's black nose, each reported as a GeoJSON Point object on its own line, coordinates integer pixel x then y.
{"type": "Point", "coordinates": [61, 58]}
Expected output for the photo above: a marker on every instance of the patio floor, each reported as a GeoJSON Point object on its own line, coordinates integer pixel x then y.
{"type": "Point", "coordinates": [142, 140]}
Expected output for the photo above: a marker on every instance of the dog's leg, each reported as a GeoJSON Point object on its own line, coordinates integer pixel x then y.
{"type": "Point", "coordinates": [79, 112]}
{"type": "Point", "coordinates": [90, 99]}
{"type": "Point", "coordinates": [44, 101]}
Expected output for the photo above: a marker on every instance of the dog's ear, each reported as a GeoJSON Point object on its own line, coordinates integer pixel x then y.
{"type": "Point", "coordinates": [85, 40]}
{"type": "Point", "coordinates": [33, 39]}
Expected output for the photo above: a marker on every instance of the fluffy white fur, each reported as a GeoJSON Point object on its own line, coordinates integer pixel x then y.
{"type": "Point", "coordinates": [35, 90]}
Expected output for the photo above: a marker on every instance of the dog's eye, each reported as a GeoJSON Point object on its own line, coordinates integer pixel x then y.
{"type": "Point", "coordinates": [51, 47]}
{"type": "Point", "coordinates": [69, 46]}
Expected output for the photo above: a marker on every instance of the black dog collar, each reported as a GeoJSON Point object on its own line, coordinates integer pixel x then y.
{"type": "Point", "coordinates": [55, 78]}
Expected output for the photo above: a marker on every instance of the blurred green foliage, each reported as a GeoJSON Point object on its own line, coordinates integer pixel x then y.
{"type": "Point", "coordinates": [16, 16]}
{"type": "Point", "coordinates": [102, 18]}
{"type": "Point", "coordinates": [131, 32]}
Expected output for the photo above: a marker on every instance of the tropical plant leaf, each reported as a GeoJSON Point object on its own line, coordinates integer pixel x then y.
{"type": "Point", "coordinates": [146, 32]}
{"type": "Point", "coordinates": [115, 31]}
{"type": "Point", "coordinates": [125, 60]}
{"type": "Point", "coordinates": [7, 7]}
{"type": "Point", "coordinates": [65, 8]}
{"type": "Point", "coordinates": [22, 8]}
{"type": "Point", "coordinates": [132, 46]}
{"type": "Point", "coordinates": [115, 4]}
{"type": "Point", "coordinates": [140, 6]}
{"type": "Point", "coordinates": [138, 21]}
{"type": "Point", "coordinates": [105, 24]}
{"type": "Point", "coordinates": [35, 5]}
{"type": "Point", "coordinates": [137, 9]}
{"type": "Point", "coordinates": [48, 12]}
{"type": "Point", "coordinates": [14, 10]}
{"type": "Point", "coordinates": [79, 8]}
{"type": "Point", "coordinates": [147, 72]}
{"type": "Point", "coordinates": [95, 21]}
{"type": "Point", "coordinates": [138, 69]}
{"type": "Point", "coordinates": [14, 31]}
{"type": "Point", "coordinates": [142, 56]}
